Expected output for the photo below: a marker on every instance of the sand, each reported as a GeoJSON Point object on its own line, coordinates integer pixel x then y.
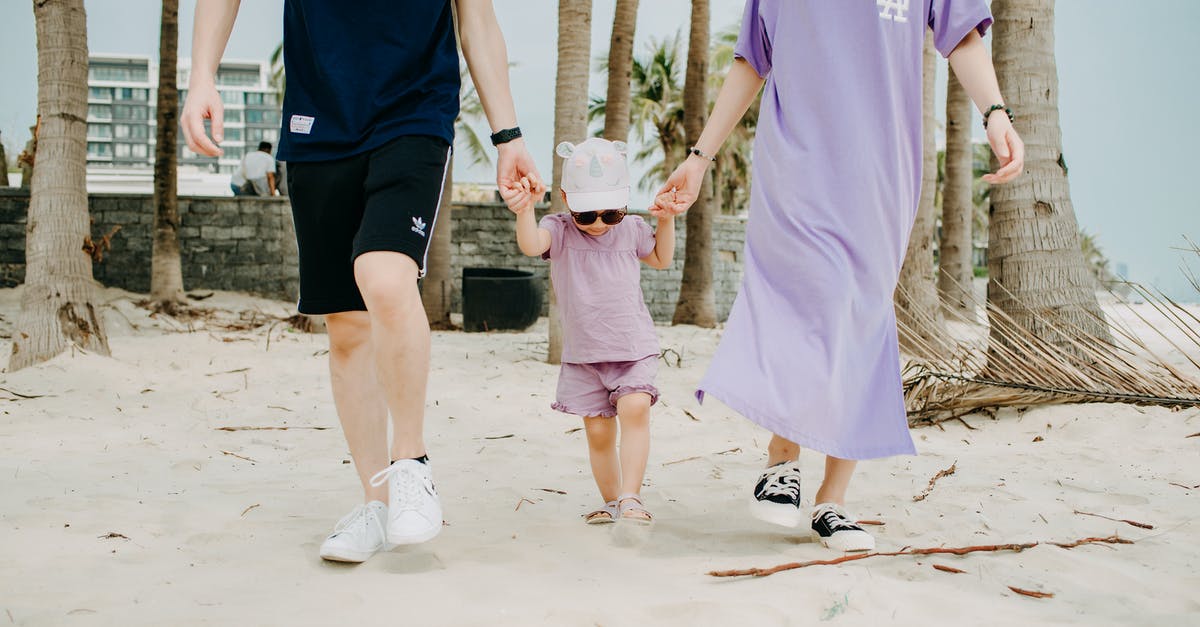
{"type": "Point", "coordinates": [222, 527]}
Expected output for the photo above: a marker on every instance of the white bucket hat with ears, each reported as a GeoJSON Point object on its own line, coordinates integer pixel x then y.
{"type": "Point", "coordinates": [595, 174]}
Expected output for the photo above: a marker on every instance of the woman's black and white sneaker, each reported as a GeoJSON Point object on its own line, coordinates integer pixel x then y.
{"type": "Point", "coordinates": [777, 495]}
{"type": "Point", "coordinates": [837, 530]}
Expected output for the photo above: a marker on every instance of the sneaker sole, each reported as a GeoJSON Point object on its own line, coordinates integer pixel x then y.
{"type": "Point", "coordinates": [782, 515]}
{"type": "Point", "coordinates": [348, 557]}
{"type": "Point", "coordinates": [825, 541]}
{"type": "Point", "coordinates": [424, 536]}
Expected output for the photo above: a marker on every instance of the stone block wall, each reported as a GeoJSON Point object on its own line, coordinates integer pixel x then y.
{"type": "Point", "coordinates": [484, 236]}
{"type": "Point", "coordinates": [248, 245]}
{"type": "Point", "coordinates": [237, 244]}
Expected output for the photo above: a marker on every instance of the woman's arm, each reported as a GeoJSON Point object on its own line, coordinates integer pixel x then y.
{"type": "Point", "coordinates": [737, 93]}
{"type": "Point", "coordinates": [972, 64]}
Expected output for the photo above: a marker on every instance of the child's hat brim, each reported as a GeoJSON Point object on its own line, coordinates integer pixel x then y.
{"type": "Point", "coordinates": [580, 201]}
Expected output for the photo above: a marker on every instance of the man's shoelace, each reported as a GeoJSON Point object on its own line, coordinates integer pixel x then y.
{"type": "Point", "coordinates": [358, 517]}
{"type": "Point", "coordinates": [410, 489]}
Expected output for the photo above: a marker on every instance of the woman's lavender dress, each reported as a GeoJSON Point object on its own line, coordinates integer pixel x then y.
{"type": "Point", "coordinates": [810, 348]}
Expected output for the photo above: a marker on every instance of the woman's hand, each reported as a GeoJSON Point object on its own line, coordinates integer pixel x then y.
{"type": "Point", "coordinates": [1007, 146]}
{"type": "Point", "coordinates": [682, 188]}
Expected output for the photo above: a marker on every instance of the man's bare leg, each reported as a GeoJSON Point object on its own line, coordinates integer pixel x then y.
{"type": "Point", "coordinates": [400, 339]}
{"type": "Point", "coordinates": [358, 397]}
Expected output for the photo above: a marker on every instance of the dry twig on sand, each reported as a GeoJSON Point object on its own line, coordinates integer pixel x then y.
{"type": "Point", "coordinates": [239, 456]}
{"type": "Point", "coordinates": [1032, 593]}
{"type": "Point", "coordinates": [1016, 548]}
{"type": "Point", "coordinates": [1128, 522]}
{"type": "Point", "coordinates": [941, 473]}
{"type": "Point", "coordinates": [19, 395]}
{"type": "Point", "coordinates": [695, 457]}
{"type": "Point", "coordinates": [268, 428]}
{"type": "Point", "coordinates": [948, 569]}
{"type": "Point", "coordinates": [522, 502]}
{"type": "Point", "coordinates": [247, 510]}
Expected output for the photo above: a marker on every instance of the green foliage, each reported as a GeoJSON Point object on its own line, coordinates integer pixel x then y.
{"type": "Point", "coordinates": [1095, 259]}
{"type": "Point", "coordinates": [656, 117]}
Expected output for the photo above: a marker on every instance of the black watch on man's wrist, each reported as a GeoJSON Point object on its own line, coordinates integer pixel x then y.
{"type": "Point", "coordinates": [506, 135]}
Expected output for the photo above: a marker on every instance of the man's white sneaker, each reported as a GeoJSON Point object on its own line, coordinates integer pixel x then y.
{"type": "Point", "coordinates": [414, 511]}
{"type": "Point", "coordinates": [838, 531]}
{"type": "Point", "coordinates": [357, 536]}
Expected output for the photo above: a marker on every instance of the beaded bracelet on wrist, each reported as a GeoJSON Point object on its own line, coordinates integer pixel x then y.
{"type": "Point", "coordinates": [994, 108]}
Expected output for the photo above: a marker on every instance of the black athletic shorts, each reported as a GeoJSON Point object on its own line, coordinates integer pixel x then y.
{"type": "Point", "coordinates": [384, 199]}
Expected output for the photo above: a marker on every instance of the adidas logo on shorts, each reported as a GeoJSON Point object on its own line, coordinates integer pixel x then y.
{"type": "Point", "coordinates": [418, 226]}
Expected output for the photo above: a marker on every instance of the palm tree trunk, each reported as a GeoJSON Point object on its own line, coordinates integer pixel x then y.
{"type": "Point", "coordinates": [570, 112]}
{"type": "Point", "coordinates": [438, 284]}
{"type": "Point", "coordinates": [58, 306]}
{"type": "Point", "coordinates": [166, 266]}
{"type": "Point", "coordinates": [620, 71]}
{"type": "Point", "coordinates": [916, 299]}
{"type": "Point", "coordinates": [956, 272]}
{"type": "Point", "coordinates": [697, 301]}
{"type": "Point", "coordinates": [1037, 274]}
{"type": "Point", "coordinates": [3, 166]}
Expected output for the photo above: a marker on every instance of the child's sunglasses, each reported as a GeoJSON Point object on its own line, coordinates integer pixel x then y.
{"type": "Point", "coordinates": [608, 216]}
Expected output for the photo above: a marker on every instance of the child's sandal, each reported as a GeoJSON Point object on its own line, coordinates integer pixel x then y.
{"type": "Point", "coordinates": [603, 516]}
{"type": "Point", "coordinates": [633, 510]}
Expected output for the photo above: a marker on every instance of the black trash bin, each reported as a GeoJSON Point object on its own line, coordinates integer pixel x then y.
{"type": "Point", "coordinates": [500, 299]}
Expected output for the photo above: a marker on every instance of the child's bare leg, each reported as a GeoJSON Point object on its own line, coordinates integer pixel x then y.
{"type": "Point", "coordinates": [782, 450]}
{"type": "Point", "coordinates": [837, 479]}
{"type": "Point", "coordinates": [602, 451]}
{"type": "Point", "coordinates": [633, 410]}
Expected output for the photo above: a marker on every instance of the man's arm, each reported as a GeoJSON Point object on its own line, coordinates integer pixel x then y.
{"type": "Point", "coordinates": [213, 23]}
{"type": "Point", "coordinates": [270, 183]}
{"type": "Point", "coordinates": [487, 59]}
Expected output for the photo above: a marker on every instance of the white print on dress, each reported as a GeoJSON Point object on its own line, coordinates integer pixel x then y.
{"type": "Point", "coordinates": [302, 124]}
{"type": "Point", "coordinates": [894, 10]}
{"type": "Point", "coordinates": [418, 226]}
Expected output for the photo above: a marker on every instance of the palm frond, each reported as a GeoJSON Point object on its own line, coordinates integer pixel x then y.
{"type": "Point", "coordinates": [1007, 365]}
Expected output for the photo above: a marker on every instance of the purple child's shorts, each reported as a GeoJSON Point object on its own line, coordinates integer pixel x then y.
{"type": "Point", "coordinates": [593, 389]}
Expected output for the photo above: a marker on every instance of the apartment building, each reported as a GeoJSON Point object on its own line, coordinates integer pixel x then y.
{"type": "Point", "coordinates": [122, 97]}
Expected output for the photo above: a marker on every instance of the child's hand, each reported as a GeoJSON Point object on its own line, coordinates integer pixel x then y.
{"type": "Point", "coordinates": [660, 209]}
{"type": "Point", "coordinates": [519, 195]}
{"type": "Point", "coordinates": [1009, 149]}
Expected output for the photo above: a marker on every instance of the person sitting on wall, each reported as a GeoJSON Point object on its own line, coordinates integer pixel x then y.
{"type": "Point", "coordinates": [256, 175]}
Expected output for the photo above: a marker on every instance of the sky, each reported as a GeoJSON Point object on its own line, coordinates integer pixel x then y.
{"type": "Point", "coordinates": [1127, 94]}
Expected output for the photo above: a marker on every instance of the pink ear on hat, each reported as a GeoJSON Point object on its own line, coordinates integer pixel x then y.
{"type": "Point", "coordinates": [606, 159]}
{"type": "Point", "coordinates": [580, 162]}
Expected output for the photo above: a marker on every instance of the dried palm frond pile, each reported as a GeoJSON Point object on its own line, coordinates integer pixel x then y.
{"type": "Point", "coordinates": [1011, 366]}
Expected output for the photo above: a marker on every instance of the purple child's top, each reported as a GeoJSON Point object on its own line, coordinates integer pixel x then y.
{"type": "Point", "coordinates": [810, 348]}
{"type": "Point", "coordinates": [598, 284]}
